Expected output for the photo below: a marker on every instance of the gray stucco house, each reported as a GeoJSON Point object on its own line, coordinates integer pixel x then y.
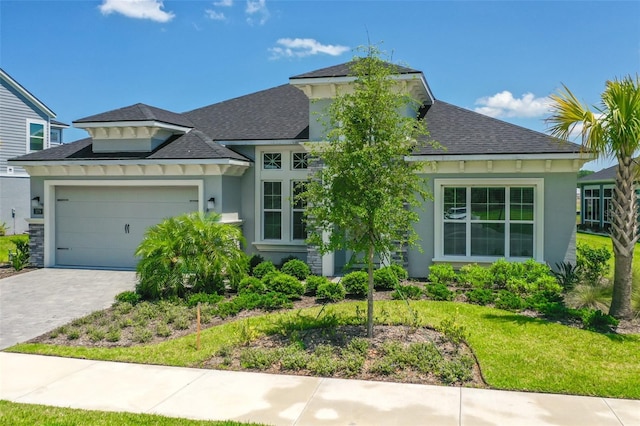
{"type": "Point", "coordinates": [499, 190]}
{"type": "Point", "coordinates": [26, 125]}
{"type": "Point", "coordinates": [596, 192]}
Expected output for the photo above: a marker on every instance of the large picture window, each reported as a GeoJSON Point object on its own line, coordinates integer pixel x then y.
{"type": "Point", "coordinates": [488, 220]}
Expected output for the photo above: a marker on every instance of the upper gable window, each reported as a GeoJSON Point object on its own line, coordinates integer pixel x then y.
{"type": "Point", "coordinates": [272, 161]}
{"type": "Point", "coordinates": [36, 135]}
{"type": "Point", "coordinates": [300, 160]}
{"type": "Point", "coordinates": [55, 136]}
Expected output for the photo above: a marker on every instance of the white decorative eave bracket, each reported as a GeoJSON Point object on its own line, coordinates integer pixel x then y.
{"type": "Point", "coordinates": [136, 168]}
{"type": "Point", "coordinates": [129, 129]}
{"type": "Point", "coordinates": [327, 87]}
{"type": "Point", "coordinates": [516, 163]}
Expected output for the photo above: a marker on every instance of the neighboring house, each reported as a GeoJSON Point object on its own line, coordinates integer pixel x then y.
{"type": "Point", "coordinates": [244, 157]}
{"type": "Point", "coordinates": [596, 192]}
{"type": "Point", "coordinates": [26, 125]}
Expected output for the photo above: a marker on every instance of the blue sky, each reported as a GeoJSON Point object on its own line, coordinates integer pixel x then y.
{"type": "Point", "coordinates": [502, 58]}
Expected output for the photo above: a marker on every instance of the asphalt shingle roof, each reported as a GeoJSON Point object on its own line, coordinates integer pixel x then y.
{"type": "Point", "coordinates": [138, 112]}
{"type": "Point", "coordinates": [465, 132]}
{"type": "Point", "coordinates": [273, 114]}
{"type": "Point", "coordinates": [344, 70]}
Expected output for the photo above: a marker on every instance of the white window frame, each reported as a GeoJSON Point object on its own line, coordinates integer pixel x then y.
{"type": "Point", "coordinates": [58, 133]}
{"type": "Point", "coordinates": [595, 213]}
{"type": "Point", "coordinates": [286, 175]}
{"type": "Point", "coordinates": [294, 210]}
{"type": "Point", "coordinates": [272, 210]}
{"type": "Point", "coordinates": [45, 134]}
{"type": "Point", "coordinates": [438, 216]}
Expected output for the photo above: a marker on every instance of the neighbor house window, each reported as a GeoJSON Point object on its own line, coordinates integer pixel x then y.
{"type": "Point", "coordinates": [607, 204]}
{"type": "Point", "coordinates": [488, 220]}
{"type": "Point", "coordinates": [55, 136]}
{"type": "Point", "coordinates": [591, 205]}
{"type": "Point", "coordinates": [298, 226]}
{"type": "Point", "coordinates": [36, 140]}
{"type": "Point", "coordinates": [272, 207]}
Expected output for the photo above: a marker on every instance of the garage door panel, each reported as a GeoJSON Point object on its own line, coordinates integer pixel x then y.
{"type": "Point", "coordinates": [103, 226]}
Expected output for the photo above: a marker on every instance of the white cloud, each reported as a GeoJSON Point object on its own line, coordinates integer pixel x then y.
{"type": "Point", "coordinates": [139, 9]}
{"type": "Point", "coordinates": [216, 16]}
{"type": "Point", "coordinates": [223, 3]}
{"type": "Point", "coordinates": [503, 104]}
{"type": "Point", "coordinates": [301, 47]}
{"type": "Point", "coordinates": [257, 12]}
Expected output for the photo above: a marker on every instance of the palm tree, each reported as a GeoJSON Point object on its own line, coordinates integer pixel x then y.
{"type": "Point", "coordinates": [613, 130]}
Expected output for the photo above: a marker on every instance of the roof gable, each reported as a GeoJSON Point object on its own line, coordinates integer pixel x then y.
{"type": "Point", "coordinates": [138, 112]}
{"type": "Point", "coordinates": [24, 92]}
{"type": "Point", "coordinates": [344, 70]}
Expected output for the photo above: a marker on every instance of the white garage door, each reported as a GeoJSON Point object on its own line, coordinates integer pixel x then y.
{"type": "Point", "coordinates": [102, 226]}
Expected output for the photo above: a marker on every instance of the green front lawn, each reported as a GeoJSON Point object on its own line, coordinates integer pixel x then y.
{"type": "Point", "coordinates": [6, 244]}
{"type": "Point", "coordinates": [12, 413]}
{"type": "Point", "coordinates": [515, 352]}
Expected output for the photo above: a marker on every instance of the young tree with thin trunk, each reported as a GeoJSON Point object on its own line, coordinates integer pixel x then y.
{"type": "Point", "coordinates": [363, 198]}
{"type": "Point", "coordinates": [612, 130]}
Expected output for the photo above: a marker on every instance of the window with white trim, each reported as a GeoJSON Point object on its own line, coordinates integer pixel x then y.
{"type": "Point", "coordinates": [36, 135]}
{"type": "Point", "coordinates": [591, 205]}
{"type": "Point", "coordinates": [271, 161]}
{"type": "Point", "coordinates": [300, 160]}
{"type": "Point", "coordinates": [272, 210]}
{"type": "Point", "coordinates": [298, 206]}
{"type": "Point", "coordinates": [55, 136]}
{"type": "Point", "coordinates": [486, 219]}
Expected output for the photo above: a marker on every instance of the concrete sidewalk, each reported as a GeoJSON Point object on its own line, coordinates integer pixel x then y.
{"type": "Point", "coordinates": [288, 400]}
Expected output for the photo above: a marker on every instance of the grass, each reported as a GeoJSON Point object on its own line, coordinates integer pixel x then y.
{"type": "Point", "coordinates": [6, 244]}
{"type": "Point", "coordinates": [514, 352]}
{"type": "Point", "coordinates": [12, 413]}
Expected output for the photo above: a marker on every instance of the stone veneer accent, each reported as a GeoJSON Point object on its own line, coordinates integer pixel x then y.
{"type": "Point", "coordinates": [36, 244]}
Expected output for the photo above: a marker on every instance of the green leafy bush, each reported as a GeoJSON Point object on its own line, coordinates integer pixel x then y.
{"type": "Point", "coordinates": [330, 291]}
{"type": "Point", "coordinates": [500, 271]}
{"type": "Point", "coordinates": [385, 279]}
{"type": "Point", "coordinates": [285, 284]}
{"type": "Point", "coordinates": [296, 268]}
{"type": "Point", "coordinates": [272, 301]}
{"type": "Point", "coordinates": [567, 275]}
{"type": "Point", "coordinates": [438, 292]}
{"type": "Point", "coordinates": [400, 272]}
{"type": "Point", "coordinates": [128, 297]}
{"type": "Point", "coordinates": [481, 296]}
{"type": "Point", "coordinates": [251, 285]}
{"type": "Point", "coordinates": [442, 273]}
{"type": "Point", "coordinates": [508, 301]}
{"type": "Point", "coordinates": [595, 320]}
{"type": "Point", "coordinates": [412, 292]}
{"type": "Point", "coordinates": [203, 298]}
{"type": "Point", "coordinates": [254, 261]}
{"type": "Point", "coordinates": [286, 259]}
{"type": "Point", "coordinates": [20, 259]}
{"type": "Point", "coordinates": [356, 284]}
{"type": "Point", "coordinates": [313, 282]}
{"type": "Point", "coordinates": [476, 276]}
{"type": "Point", "coordinates": [593, 263]}
{"type": "Point", "coordinates": [540, 299]}
{"type": "Point", "coordinates": [189, 253]}
{"type": "Point", "coordinates": [263, 268]}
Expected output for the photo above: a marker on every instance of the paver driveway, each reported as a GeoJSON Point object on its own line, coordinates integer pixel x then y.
{"type": "Point", "coordinates": [39, 301]}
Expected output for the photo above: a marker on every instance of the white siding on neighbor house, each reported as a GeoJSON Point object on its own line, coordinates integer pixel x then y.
{"type": "Point", "coordinates": [15, 110]}
{"type": "Point", "coordinates": [102, 226]}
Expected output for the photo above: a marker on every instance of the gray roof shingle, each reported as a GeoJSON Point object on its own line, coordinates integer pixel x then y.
{"type": "Point", "coordinates": [464, 132]}
{"type": "Point", "coordinates": [273, 114]}
{"type": "Point", "coordinates": [138, 112]}
{"type": "Point", "coordinates": [344, 70]}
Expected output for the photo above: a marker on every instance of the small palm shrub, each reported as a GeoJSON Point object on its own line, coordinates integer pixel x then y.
{"type": "Point", "coordinates": [442, 274]}
{"type": "Point", "coordinates": [189, 253]}
{"type": "Point", "coordinates": [567, 275]}
{"type": "Point", "coordinates": [331, 292]}
{"type": "Point", "coordinates": [385, 279]}
{"type": "Point", "coordinates": [296, 268]}
{"type": "Point", "coordinates": [356, 284]}
{"type": "Point", "coordinates": [286, 284]}
{"type": "Point", "coordinates": [251, 285]}
{"type": "Point", "coordinates": [263, 268]}
{"type": "Point", "coordinates": [313, 282]}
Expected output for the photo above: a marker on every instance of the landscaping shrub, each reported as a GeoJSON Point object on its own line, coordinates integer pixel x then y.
{"type": "Point", "coordinates": [330, 291]}
{"type": "Point", "coordinates": [356, 284]}
{"type": "Point", "coordinates": [20, 258]}
{"type": "Point", "coordinates": [254, 261]}
{"type": "Point", "coordinates": [296, 268]}
{"type": "Point", "coordinates": [540, 299]}
{"type": "Point", "coordinates": [400, 272]}
{"type": "Point", "coordinates": [286, 259]}
{"type": "Point", "coordinates": [403, 292]}
{"type": "Point", "coordinates": [272, 301]}
{"type": "Point", "coordinates": [313, 282]}
{"type": "Point", "coordinates": [128, 297]}
{"type": "Point", "coordinates": [481, 296]}
{"type": "Point", "coordinates": [500, 271]}
{"type": "Point", "coordinates": [508, 301]}
{"type": "Point", "coordinates": [211, 299]}
{"type": "Point", "coordinates": [263, 268]}
{"type": "Point", "coordinates": [189, 253]}
{"type": "Point", "coordinates": [438, 292]}
{"type": "Point", "coordinates": [567, 275]}
{"type": "Point", "coordinates": [384, 279]}
{"type": "Point", "coordinates": [593, 263]}
{"type": "Point", "coordinates": [285, 284]}
{"type": "Point", "coordinates": [442, 274]}
{"type": "Point", "coordinates": [595, 320]}
{"type": "Point", "coordinates": [251, 285]}
{"type": "Point", "coordinates": [476, 276]}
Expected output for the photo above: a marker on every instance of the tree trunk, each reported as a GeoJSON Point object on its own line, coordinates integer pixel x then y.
{"type": "Point", "coordinates": [624, 234]}
{"type": "Point", "coordinates": [370, 292]}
